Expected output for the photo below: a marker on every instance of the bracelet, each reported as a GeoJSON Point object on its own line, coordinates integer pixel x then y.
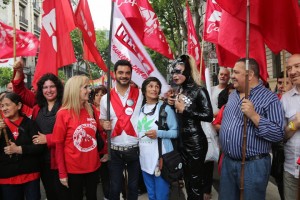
{"type": "Point", "coordinates": [291, 126]}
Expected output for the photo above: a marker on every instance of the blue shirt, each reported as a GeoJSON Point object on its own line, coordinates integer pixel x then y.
{"type": "Point", "coordinates": [259, 139]}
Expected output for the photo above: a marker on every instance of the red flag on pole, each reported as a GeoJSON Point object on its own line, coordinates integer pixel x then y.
{"type": "Point", "coordinates": [232, 37]}
{"type": "Point", "coordinates": [56, 48]}
{"type": "Point", "coordinates": [277, 20]}
{"type": "Point", "coordinates": [193, 44]}
{"type": "Point", "coordinates": [26, 43]}
{"type": "Point", "coordinates": [212, 21]}
{"type": "Point", "coordinates": [143, 20]}
{"type": "Point", "coordinates": [85, 24]}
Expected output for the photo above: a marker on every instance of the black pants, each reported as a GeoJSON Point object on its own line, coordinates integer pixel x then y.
{"type": "Point", "coordinates": [78, 182]}
{"type": "Point", "coordinates": [208, 176]}
{"type": "Point", "coordinates": [104, 175]}
{"type": "Point", "coordinates": [54, 189]}
{"type": "Point", "coordinates": [119, 161]}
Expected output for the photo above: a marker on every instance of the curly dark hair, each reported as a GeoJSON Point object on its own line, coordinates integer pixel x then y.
{"type": "Point", "coordinates": [95, 91]}
{"type": "Point", "coordinates": [40, 98]}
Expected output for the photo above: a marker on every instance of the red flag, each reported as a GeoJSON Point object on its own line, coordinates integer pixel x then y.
{"type": "Point", "coordinates": [193, 44]}
{"type": "Point", "coordinates": [26, 43]}
{"type": "Point", "coordinates": [143, 20]}
{"type": "Point", "coordinates": [56, 48]}
{"type": "Point", "coordinates": [225, 58]}
{"type": "Point", "coordinates": [278, 21]}
{"type": "Point", "coordinates": [212, 21]}
{"type": "Point", "coordinates": [85, 23]}
{"type": "Point", "coordinates": [232, 37]}
{"type": "Point", "coordinates": [211, 33]}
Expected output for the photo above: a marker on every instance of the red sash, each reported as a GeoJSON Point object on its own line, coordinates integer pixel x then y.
{"type": "Point", "coordinates": [123, 122]}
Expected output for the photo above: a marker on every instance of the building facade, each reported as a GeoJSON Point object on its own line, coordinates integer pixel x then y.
{"type": "Point", "coordinates": [28, 17]}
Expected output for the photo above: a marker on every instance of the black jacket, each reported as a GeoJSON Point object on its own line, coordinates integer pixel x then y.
{"type": "Point", "coordinates": [28, 161]}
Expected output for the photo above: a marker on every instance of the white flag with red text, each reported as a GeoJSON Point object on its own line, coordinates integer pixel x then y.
{"type": "Point", "coordinates": [141, 17]}
{"type": "Point", "coordinates": [126, 45]}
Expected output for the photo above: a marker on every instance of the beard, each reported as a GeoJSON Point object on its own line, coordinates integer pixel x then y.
{"type": "Point", "coordinates": [123, 81]}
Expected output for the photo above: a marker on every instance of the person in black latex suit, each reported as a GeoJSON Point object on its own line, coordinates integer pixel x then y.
{"type": "Point", "coordinates": [192, 105]}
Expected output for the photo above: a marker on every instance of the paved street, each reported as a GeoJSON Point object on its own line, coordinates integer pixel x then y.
{"type": "Point", "coordinates": [272, 193]}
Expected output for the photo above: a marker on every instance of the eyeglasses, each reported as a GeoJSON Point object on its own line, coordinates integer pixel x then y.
{"type": "Point", "coordinates": [176, 71]}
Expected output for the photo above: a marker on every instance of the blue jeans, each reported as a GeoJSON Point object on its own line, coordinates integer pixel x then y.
{"type": "Point", "coordinates": [157, 187]}
{"type": "Point", "coordinates": [119, 161]}
{"type": "Point", "coordinates": [29, 190]}
{"type": "Point", "coordinates": [256, 179]}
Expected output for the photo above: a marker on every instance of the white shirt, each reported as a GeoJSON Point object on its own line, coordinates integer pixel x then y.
{"type": "Point", "coordinates": [291, 105]}
{"type": "Point", "coordinates": [148, 147]}
{"type": "Point", "coordinates": [123, 139]}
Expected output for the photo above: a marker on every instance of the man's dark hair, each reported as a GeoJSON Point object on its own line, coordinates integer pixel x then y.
{"type": "Point", "coordinates": [41, 100]}
{"type": "Point", "coordinates": [122, 62]}
{"type": "Point", "coordinates": [253, 65]}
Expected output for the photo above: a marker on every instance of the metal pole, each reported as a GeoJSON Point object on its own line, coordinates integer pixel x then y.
{"type": "Point", "coordinates": [246, 97]}
{"type": "Point", "coordinates": [109, 79]}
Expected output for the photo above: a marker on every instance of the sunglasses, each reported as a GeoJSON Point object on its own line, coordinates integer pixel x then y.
{"type": "Point", "coordinates": [176, 71]}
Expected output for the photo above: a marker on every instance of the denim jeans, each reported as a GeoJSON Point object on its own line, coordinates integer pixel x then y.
{"type": "Point", "coordinates": [256, 179]}
{"type": "Point", "coordinates": [157, 187]}
{"type": "Point", "coordinates": [119, 161]}
{"type": "Point", "coordinates": [29, 190]}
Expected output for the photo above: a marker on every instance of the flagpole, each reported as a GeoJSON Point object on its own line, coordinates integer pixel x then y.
{"type": "Point", "coordinates": [246, 97]}
{"type": "Point", "coordinates": [109, 79]}
{"type": "Point", "coordinates": [14, 30]}
{"type": "Point", "coordinates": [284, 68]}
{"type": "Point", "coordinates": [201, 57]}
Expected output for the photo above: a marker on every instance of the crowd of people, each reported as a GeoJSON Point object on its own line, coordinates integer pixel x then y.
{"type": "Point", "coordinates": [51, 133]}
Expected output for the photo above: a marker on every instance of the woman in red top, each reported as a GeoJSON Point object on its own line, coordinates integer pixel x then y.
{"type": "Point", "coordinates": [75, 136]}
{"type": "Point", "coordinates": [45, 102]}
{"type": "Point", "coordinates": [19, 157]}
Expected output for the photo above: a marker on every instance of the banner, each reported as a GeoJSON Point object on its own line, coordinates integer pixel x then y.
{"type": "Point", "coordinates": [26, 43]}
{"type": "Point", "coordinates": [56, 48]}
{"type": "Point", "coordinates": [85, 23]}
{"type": "Point", "coordinates": [143, 20]}
{"type": "Point", "coordinates": [126, 45]}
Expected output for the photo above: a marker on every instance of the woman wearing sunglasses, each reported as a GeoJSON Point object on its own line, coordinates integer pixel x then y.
{"type": "Point", "coordinates": [192, 105]}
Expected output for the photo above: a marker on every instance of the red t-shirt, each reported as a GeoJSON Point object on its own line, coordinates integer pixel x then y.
{"type": "Point", "coordinates": [79, 142]}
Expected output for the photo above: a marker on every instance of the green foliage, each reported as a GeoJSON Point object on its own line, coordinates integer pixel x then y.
{"type": "Point", "coordinates": [102, 45]}
{"type": "Point", "coordinates": [6, 75]}
{"type": "Point", "coordinates": [160, 61]}
{"type": "Point", "coordinates": [61, 75]}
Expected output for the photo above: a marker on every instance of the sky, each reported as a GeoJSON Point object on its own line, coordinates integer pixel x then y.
{"type": "Point", "coordinates": [100, 10]}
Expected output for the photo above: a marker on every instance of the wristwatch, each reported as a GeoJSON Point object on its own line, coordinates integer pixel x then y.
{"type": "Point", "coordinates": [292, 126]}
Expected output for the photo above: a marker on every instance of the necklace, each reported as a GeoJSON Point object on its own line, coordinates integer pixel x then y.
{"type": "Point", "coordinates": [151, 112]}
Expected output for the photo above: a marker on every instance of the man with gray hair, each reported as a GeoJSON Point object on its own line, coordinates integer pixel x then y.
{"type": "Point", "coordinates": [291, 107]}
{"type": "Point", "coordinates": [223, 77]}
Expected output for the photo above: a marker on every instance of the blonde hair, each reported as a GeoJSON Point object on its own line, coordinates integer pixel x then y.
{"type": "Point", "coordinates": [71, 98]}
{"type": "Point", "coordinates": [194, 71]}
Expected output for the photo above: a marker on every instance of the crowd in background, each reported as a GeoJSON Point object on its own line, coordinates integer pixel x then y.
{"type": "Point", "coordinates": [51, 133]}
